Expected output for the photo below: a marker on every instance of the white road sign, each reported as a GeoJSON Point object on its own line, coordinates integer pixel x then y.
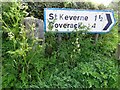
{"type": "Point", "coordinates": [67, 20]}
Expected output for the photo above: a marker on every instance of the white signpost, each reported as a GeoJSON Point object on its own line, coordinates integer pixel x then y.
{"type": "Point", "coordinates": [67, 20]}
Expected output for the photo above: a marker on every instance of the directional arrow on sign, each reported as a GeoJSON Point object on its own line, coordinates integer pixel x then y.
{"type": "Point", "coordinates": [109, 22]}
{"type": "Point", "coordinates": [67, 20]}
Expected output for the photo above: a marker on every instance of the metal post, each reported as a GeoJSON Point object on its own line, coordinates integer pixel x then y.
{"type": "Point", "coordinates": [59, 38]}
{"type": "Point", "coordinates": [118, 52]}
{"type": "Point", "coordinates": [96, 38]}
{"type": "Point", "coordinates": [118, 46]}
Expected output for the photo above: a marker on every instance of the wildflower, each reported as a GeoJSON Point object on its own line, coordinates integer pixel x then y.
{"type": "Point", "coordinates": [78, 50]}
{"type": "Point", "coordinates": [78, 45]}
{"type": "Point", "coordinates": [11, 35]}
{"type": "Point", "coordinates": [76, 42]}
{"type": "Point", "coordinates": [72, 42]}
{"type": "Point", "coordinates": [74, 50]}
{"type": "Point", "coordinates": [77, 39]}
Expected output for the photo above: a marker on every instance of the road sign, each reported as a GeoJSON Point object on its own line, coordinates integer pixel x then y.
{"type": "Point", "coordinates": [67, 20]}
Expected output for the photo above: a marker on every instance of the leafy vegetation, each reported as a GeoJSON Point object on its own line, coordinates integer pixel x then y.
{"type": "Point", "coordinates": [76, 61]}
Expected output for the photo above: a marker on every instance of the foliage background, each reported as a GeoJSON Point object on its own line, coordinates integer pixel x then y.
{"type": "Point", "coordinates": [74, 62]}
